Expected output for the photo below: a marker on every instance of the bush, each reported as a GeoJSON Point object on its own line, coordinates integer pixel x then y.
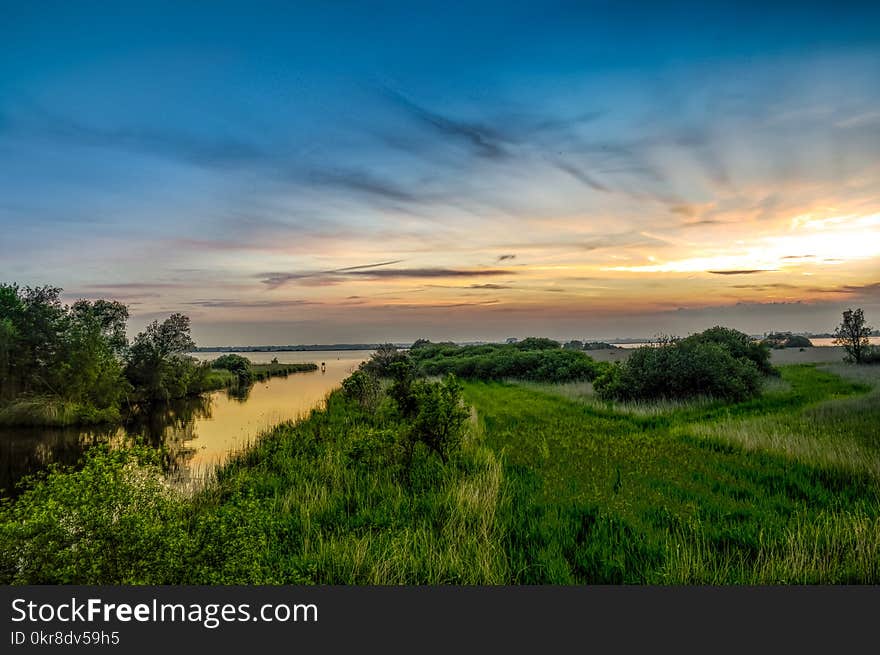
{"type": "Point", "coordinates": [381, 361]}
{"type": "Point", "coordinates": [440, 416]}
{"type": "Point", "coordinates": [363, 388]}
{"type": "Point", "coordinates": [738, 344]}
{"type": "Point", "coordinates": [871, 355]}
{"type": "Point", "coordinates": [537, 343]}
{"type": "Point", "coordinates": [115, 521]}
{"type": "Point", "coordinates": [240, 366]}
{"type": "Point", "coordinates": [496, 362]}
{"type": "Point", "coordinates": [701, 366]}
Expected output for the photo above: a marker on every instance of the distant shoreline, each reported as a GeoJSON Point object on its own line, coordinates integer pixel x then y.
{"type": "Point", "coordinates": [618, 343]}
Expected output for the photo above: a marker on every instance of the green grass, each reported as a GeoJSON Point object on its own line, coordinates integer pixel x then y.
{"type": "Point", "coordinates": [692, 493]}
{"type": "Point", "coordinates": [54, 412]}
{"type": "Point", "coordinates": [218, 378]}
{"type": "Point", "coordinates": [266, 371]}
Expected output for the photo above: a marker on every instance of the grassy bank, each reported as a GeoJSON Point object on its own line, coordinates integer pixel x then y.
{"type": "Point", "coordinates": [53, 411]}
{"type": "Point", "coordinates": [550, 485]}
{"type": "Point", "coordinates": [332, 499]}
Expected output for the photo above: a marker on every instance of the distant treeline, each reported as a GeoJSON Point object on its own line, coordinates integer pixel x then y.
{"type": "Point", "coordinates": [284, 349]}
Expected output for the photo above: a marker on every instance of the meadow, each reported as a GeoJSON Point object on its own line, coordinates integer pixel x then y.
{"type": "Point", "coordinates": [784, 488]}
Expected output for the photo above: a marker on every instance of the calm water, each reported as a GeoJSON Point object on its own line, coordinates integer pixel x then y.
{"type": "Point", "coordinates": [198, 433]}
{"type": "Point", "coordinates": [875, 341]}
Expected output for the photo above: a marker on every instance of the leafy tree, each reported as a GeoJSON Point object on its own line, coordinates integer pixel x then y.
{"type": "Point", "coordinates": [156, 363]}
{"type": "Point", "coordinates": [110, 316]}
{"type": "Point", "coordinates": [381, 360]}
{"type": "Point", "coordinates": [94, 342]}
{"type": "Point", "coordinates": [573, 345]}
{"type": "Point", "coordinates": [852, 334]}
{"type": "Point", "coordinates": [70, 352]}
{"type": "Point", "coordinates": [34, 324]}
{"type": "Point", "coordinates": [240, 366]}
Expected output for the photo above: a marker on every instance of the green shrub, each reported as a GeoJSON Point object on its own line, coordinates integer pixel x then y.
{"type": "Point", "coordinates": [382, 359]}
{"type": "Point", "coordinates": [440, 416]}
{"type": "Point", "coordinates": [538, 361]}
{"type": "Point", "coordinates": [363, 388]}
{"type": "Point", "coordinates": [871, 355]}
{"type": "Point", "coordinates": [688, 368]}
{"type": "Point", "coordinates": [738, 344]}
{"type": "Point", "coordinates": [536, 343]}
{"type": "Point", "coordinates": [786, 340]}
{"type": "Point", "coordinates": [114, 521]}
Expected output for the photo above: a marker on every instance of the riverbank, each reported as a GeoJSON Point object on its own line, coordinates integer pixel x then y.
{"type": "Point", "coordinates": [335, 498]}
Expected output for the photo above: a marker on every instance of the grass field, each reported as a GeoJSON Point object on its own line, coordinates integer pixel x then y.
{"type": "Point", "coordinates": [781, 489]}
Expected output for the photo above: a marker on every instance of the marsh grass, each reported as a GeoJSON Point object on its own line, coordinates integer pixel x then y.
{"type": "Point", "coordinates": [840, 434]}
{"type": "Point", "coordinates": [55, 412]}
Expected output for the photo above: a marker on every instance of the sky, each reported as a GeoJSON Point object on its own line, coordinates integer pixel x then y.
{"type": "Point", "coordinates": [360, 172]}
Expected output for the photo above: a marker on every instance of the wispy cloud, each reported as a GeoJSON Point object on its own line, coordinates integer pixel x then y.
{"type": "Point", "coordinates": [229, 303]}
{"type": "Point", "coordinates": [482, 140]}
{"type": "Point", "coordinates": [580, 175]}
{"type": "Point", "coordinates": [747, 271]}
{"type": "Point", "coordinates": [374, 272]}
{"type": "Point", "coordinates": [363, 183]}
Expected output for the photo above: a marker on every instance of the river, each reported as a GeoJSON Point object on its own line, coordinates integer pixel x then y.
{"type": "Point", "coordinates": [198, 434]}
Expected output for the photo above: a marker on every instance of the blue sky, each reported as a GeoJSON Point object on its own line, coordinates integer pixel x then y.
{"type": "Point", "coordinates": [366, 171]}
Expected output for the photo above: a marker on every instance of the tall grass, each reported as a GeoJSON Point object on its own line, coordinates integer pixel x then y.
{"type": "Point", "coordinates": [54, 411]}
{"type": "Point", "coordinates": [669, 495]}
{"type": "Point", "coordinates": [840, 434]}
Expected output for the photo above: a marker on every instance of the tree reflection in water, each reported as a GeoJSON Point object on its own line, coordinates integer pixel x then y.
{"type": "Point", "coordinates": [166, 426]}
